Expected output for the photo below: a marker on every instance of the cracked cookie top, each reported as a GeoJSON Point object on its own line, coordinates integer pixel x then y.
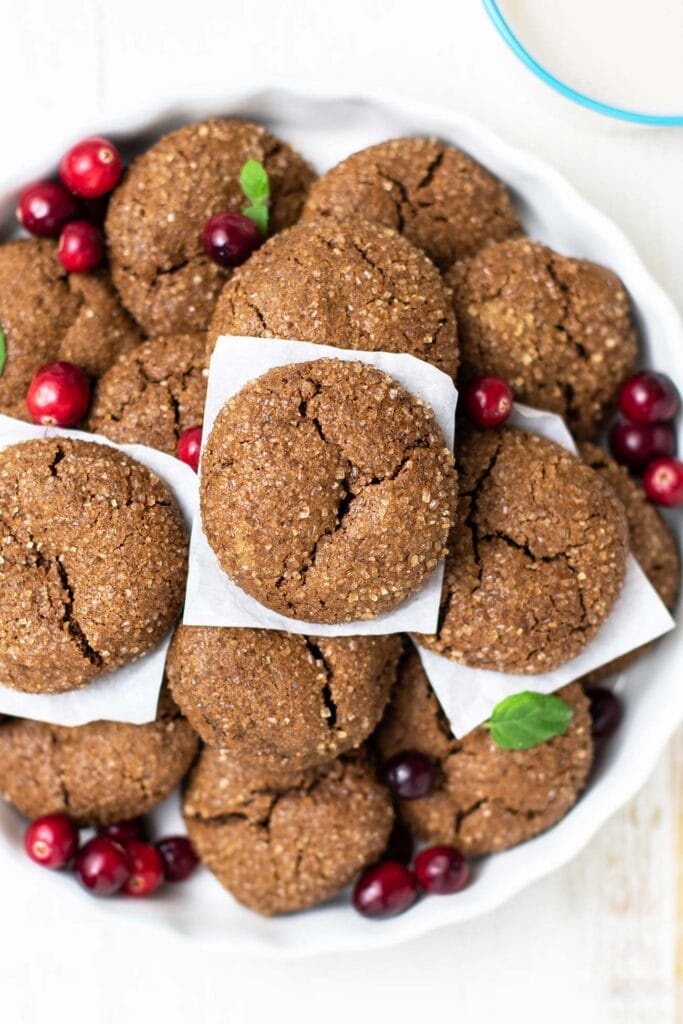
{"type": "Point", "coordinates": [283, 841]}
{"type": "Point", "coordinates": [277, 700]}
{"type": "Point", "coordinates": [350, 284]}
{"type": "Point", "coordinates": [559, 330]}
{"type": "Point", "coordinates": [537, 559]}
{"type": "Point", "coordinates": [97, 773]}
{"type": "Point", "coordinates": [92, 562]}
{"type": "Point", "coordinates": [156, 216]}
{"type": "Point", "coordinates": [436, 196]}
{"type": "Point", "coordinates": [327, 491]}
{"type": "Point", "coordinates": [48, 315]}
{"type": "Point", "coordinates": [152, 394]}
{"type": "Point", "coordinates": [485, 799]}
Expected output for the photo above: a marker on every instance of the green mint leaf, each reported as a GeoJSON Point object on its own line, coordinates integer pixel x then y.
{"type": "Point", "coordinates": [3, 351]}
{"type": "Point", "coordinates": [526, 719]}
{"type": "Point", "coordinates": [259, 215]}
{"type": "Point", "coordinates": [255, 183]}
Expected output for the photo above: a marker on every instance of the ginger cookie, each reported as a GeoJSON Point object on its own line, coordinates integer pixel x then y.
{"type": "Point", "coordinates": [327, 491]}
{"type": "Point", "coordinates": [436, 196]}
{"type": "Point", "coordinates": [349, 284]}
{"type": "Point", "coordinates": [559, 330]}
{"type": "Point", "coordinates": [278, 700]}
{"type": "Point", "coordinates": [93, 566]}
{"type": "Point", "coordinates": [156, 216]}
{"type": "Point", "coordinates": [652, 544]}
{"type": "Point", "coordinates": [152, 394]}
{"type": "Point", "coordinates": [536, 560]}
{"type": "Point", "coordinates": [485, 799]}
{"type": "Point", "coordinates": [284, 841]}
{"type": "Point", "coordinates": [47, 315]}
{"type": "Point", "coordinates": [97, 773]}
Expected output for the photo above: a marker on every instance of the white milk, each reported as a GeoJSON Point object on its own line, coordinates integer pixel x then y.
{"type": "Point", "coordinates": [627, 53]}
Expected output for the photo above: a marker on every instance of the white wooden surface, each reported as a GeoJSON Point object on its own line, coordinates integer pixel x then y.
{"type": "Point", "coordinates": [600, 941]}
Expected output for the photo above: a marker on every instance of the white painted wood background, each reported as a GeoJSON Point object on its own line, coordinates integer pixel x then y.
{"type": "Point", "coordinates": [599, 942]}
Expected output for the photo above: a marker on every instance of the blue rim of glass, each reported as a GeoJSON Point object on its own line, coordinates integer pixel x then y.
{"type": "Point", "coordinates": [494, 13]}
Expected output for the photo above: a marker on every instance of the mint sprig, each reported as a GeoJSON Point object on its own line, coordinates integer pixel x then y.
{"type": "Point", "coordinates": [255, 184]}
{"type": "Point", "coordinates": [526, 719]}
{"type": "Point", "coordinates": [3, 350]}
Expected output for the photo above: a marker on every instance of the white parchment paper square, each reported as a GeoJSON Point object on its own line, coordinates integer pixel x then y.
{"type": "Point", "coordinates": [212, 598]}
{"type": "Point", "coordinates": [468, 695]}
{"type": "Point", "coordinates": [128, 694]}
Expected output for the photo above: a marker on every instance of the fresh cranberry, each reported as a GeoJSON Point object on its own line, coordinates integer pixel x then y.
{"type": "Point", "coordinates": [488, 402]}
{"type": "Point", "coordinates": [178, 856]}
{"type": "Point", "coordinates": [146, 869]}
{"type": "Point", "coordinates": [663, 482]}
{"type": "Point", "coordinates": [229, 238]}
{"type": "Point", "coordinates": [51, 840]}
{"type": "Point", "coordinates": [635, 444]}
{"type": "Point", "coordinates": [441, 870]}
{"type": "Point", "coordinates": [648, 397]}
{"type": "Point", "coordinates": [91, 167]}
{"type": "Point", "coordinates": [44, 209]}
{"type": "Point", "coordinates": [102, 866]}
{"type": "Point", "coordinates": [384, 890]}
{"type": "Point", "coordinates": [59, 395]}
{"type": "Point", "coordinates": [606, 711]}
{"type": "Point", "coordinates": [81, 247]}
{"type": "Point", "coordinates": [189, 445]}
{"type": "Point", "coordinates": [409, 774]}
{"type": "Point", "coordinates": [124, 831]}
{"type": "Point", "coordinates": [401, 845]}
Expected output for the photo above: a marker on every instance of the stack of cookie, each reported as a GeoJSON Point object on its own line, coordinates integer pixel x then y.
{"type": "Point", "coordinates": [328, 494]}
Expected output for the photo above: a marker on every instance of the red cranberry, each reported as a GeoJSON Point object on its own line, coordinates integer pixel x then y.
{"type": "Point", "coordinates": [635, 444]}
{"type": "Point", "coordinates": [488, 402]}
{"type": "Point", "coordinates": [409, 774]}
{"type": "Point", "coordinates": [189, 445]}
{"type": "Point", "coordinates": [124, 831]}
{"type": "Point", "coordinates": [44, 209]}
{"type": "Point", "coordinates": [146, 869]}
{"type": "Point", "coordinates": [51, 840]}
{"type": "Point", "coordinates": [59, 395]}
{"type": "Point", "coordinates": [401, 845]}
{"type": "Point", "coordinates": [663, 482]}
{"type": "Point", "coordinates": [91, 167]}
{"type": "Point", "coordinates": [229, 238]}
{"type": "Point", "coordinates": [102, 866]}
{"type": "Point", "coordinates": [81, 247]}
{"type": "Point", "coordinates": [441, 870]}
{"type": "Point", "coordinates": [648, 397]}
{"type": "Point", "coordinates": [178, 856]}
{"type": "Point", "coordinates": [384, 890]}
{"type": "Point", "coordinates": [606, 711]}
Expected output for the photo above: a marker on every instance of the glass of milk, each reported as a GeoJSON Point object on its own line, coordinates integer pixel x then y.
{"type": "Point", "coordinates": [623, 58]}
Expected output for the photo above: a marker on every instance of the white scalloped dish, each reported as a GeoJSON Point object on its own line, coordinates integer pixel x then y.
{"type": "Point", "coordinates": [326, 129]}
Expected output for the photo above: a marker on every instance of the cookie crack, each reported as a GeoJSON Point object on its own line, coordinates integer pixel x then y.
{"type": "Point", "coordinates": [69, 619]}
{"type": "Point", "coordinates": [470, 522]}
{"type": "Point", "coordinates": [256, 310]}
{"type": "Point", "coordinates": [56, 459]}
{"type": "Point", "coordinates": [464, 814]}
{"type": "Point", "coordinates": [432, 168]}
{"type": "Point", "coordinates": [398, 203]}
{"type": "Point", "coordinates": [565, 294]}
{"type": "Point", "coordinates": [363, 253]}
{"type": "Point", "coordinates": [330, 706]}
